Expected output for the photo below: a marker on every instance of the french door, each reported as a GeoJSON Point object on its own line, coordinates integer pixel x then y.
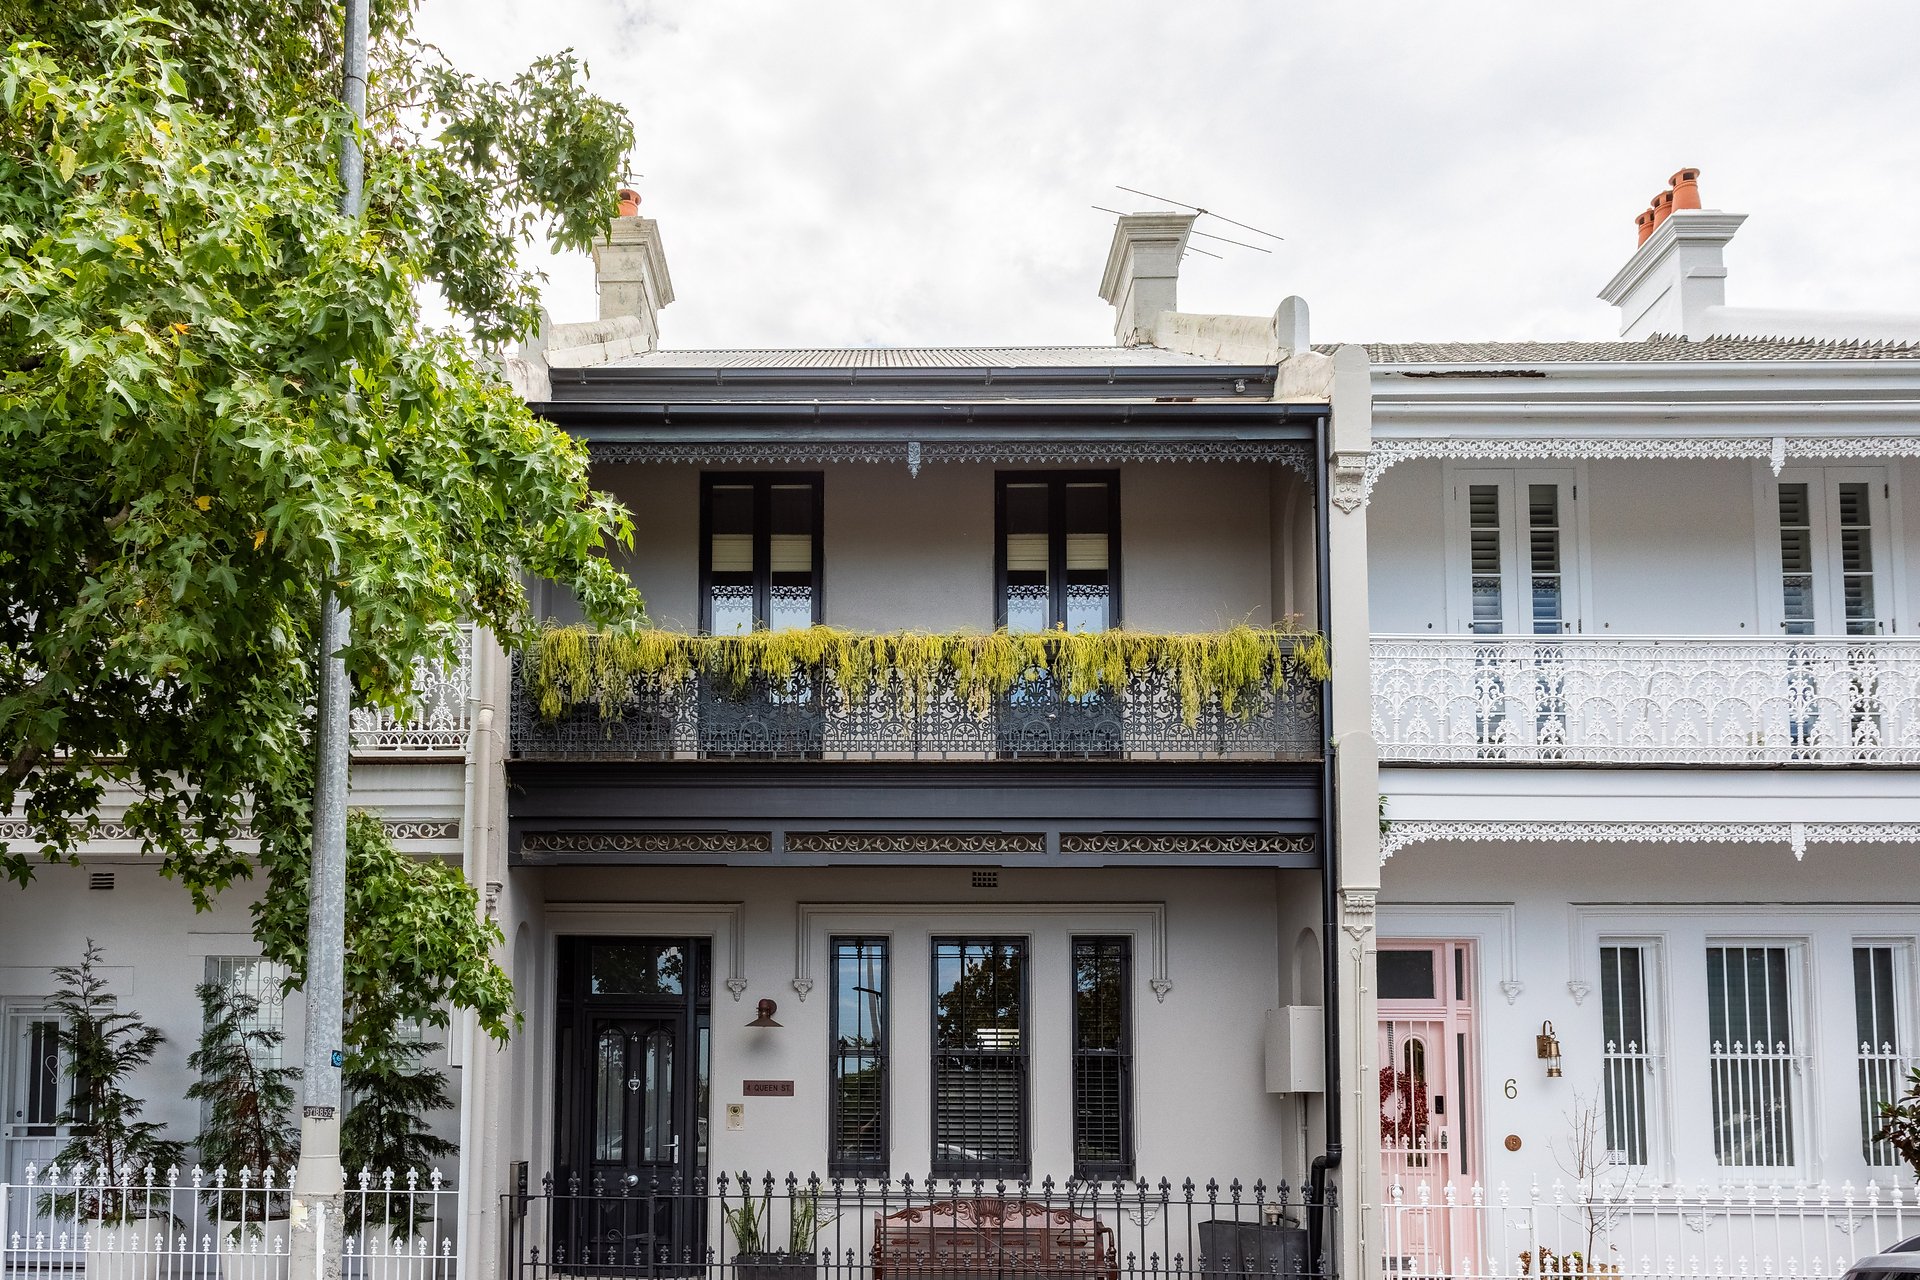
{"type": "Point", "coordinates": [1832, 552]}
{"type": "Point", "coordinates": [631, 1106]}
{"type": "Point", "coordinates": [1513, 540]}
{"type": "Point", "coordinates": [1428, 1086]}
{"type": "Point", "coordinates": [33, 1068]}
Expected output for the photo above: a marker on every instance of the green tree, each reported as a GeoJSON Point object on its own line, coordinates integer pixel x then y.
{"type": "Point", "coordinates": [1900, 1124]}
{"type": "Point", "coordinates": [214, 388]}
{"type": "Point", "coordinates": [249, 1102]}
{"type": "Point", "coordinates": [114, 1155]}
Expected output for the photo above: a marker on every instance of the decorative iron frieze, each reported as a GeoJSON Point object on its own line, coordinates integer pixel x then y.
{"type": "Point", "coordinates": [1794, 835]}
{"type": "Point", "coordinates": [1184, 843]}
{"type": "Point", "coordinates": [646, 842]}
{"type": "Point", "coordinates": [396, 829]}
{"type": "Point", "coordinates": [916, 842]}
{"type": "Point", "coordinates": [915, 454]}
{"type": "Point", "coordinates": [1776, 451]}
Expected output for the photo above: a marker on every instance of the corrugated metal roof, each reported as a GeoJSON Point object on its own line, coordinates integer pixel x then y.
{"type": "Point", "coordinates": [912, 358]}
{"type": "Point", "coordinates": [1659, 347]}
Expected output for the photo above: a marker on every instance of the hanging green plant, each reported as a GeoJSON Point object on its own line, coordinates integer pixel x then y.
{"type": "Point", "coordinates": [571, 666]}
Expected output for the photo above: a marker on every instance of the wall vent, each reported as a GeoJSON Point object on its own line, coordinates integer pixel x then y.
{"type": "Point", "coordinates": [100, 880]}
{"type": "Point", "coordinates": [986, 879]}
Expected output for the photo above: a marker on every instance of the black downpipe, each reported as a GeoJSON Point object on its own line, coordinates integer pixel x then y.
{"type": "Point", "coordinates": [1317, 1216]}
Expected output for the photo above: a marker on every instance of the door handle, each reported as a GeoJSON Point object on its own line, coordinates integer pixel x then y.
{"type": "Point", "coordinates": [633, 1179]}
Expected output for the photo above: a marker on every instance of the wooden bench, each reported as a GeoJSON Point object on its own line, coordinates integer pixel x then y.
{"type": "Point", "coordinates": [989, 1238]}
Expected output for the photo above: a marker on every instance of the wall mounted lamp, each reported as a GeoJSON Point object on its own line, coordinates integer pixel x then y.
{"type": "Point", "coordinates": [1546, 1044]}
{"type": "Point", "coordinates": [764, 1011]}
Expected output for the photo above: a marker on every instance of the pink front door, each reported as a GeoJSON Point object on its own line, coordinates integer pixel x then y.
{"type": "Point", "coordinates": [1428, 1093]}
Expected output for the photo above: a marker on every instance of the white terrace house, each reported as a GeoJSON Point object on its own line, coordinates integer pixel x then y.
{"type": "Point", "coordinates": [1646, 693]}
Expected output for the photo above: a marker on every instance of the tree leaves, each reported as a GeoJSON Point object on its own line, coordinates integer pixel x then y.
{"type": "Point", "coordinates": [216, 392]}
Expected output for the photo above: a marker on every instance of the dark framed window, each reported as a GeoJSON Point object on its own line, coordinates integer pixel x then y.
{"type": "Point", "coordinates": [1057, 550]}
{"type": "Point", "coordinates": [760, 536]}
{"type": "Point", "coordinates": [857, 1138]}
{"type": "Point", "coordinates": [1102, 1058]}
{"type": "Point", "coordinates": [980, 1105]}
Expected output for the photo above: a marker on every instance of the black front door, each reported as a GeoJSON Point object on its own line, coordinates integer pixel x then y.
{"type": "Point", "coordinates": [631, 1116]}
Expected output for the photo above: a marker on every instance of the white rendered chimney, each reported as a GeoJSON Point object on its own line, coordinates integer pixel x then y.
{"type": "Point", "coordinates": [630, 269]}
{"type": "Point", "coordinates": [1676, 281]}
{"type": "Point", "coordinates": [1143, 272]}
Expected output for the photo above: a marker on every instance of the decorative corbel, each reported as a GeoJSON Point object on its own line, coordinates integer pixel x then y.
{"type": "Point", "coordinates": [1349, 492]}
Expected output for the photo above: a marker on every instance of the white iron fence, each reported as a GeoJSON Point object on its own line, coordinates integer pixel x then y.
{"type": "Point", "coordinates": [1588, 1230]}
{"type": "Point", "coordinates": [1629, 700]}
{"type": "Point", "coordinates": [201, 1226]}
{"type": "Point", "coordinates": [440, 722]}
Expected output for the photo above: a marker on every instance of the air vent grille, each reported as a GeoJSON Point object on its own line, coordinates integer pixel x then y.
{"type": "Point", "coordinates": [986, 879]}
{"type": "Point", "coordinates": [100, 880]}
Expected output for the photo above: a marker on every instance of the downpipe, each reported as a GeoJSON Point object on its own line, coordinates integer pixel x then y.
{"type": "Point", "coordinates": [1318, 1219]}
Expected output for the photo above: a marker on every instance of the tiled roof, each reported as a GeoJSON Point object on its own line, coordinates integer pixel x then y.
{"type": "Point", "coordinates": [913, 358]}
{"type": "Point", "coordinates": [1659, 347]}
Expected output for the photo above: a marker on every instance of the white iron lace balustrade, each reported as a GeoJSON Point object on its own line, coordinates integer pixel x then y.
{"type": "Point", "coordinates": [1618, 1227]}
{"type": "Point", "coordinates": [440, 721]}
{"type": "Point", "coordinates": [1646, 700]}
{"type": "Point", "coordinates": [808, 715]}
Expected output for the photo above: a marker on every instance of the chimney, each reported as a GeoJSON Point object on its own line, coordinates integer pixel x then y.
{"type": "Point", "coordinates": [1143, 272]}
{"type": "Point", "coordinates": [630, 270]}
{"type": "Point", "coordinates": [1677, 276]}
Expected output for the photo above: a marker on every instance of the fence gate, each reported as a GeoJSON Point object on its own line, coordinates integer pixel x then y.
{"type": "Point", "coordinates": [1428, 1081]}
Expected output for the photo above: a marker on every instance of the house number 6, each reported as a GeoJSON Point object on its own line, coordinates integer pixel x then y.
{"type": "Point", "coordinates": [1511, 1088]}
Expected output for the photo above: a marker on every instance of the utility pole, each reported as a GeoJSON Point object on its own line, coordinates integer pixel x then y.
{"type": "Point", "coordinates": [318, 1181]}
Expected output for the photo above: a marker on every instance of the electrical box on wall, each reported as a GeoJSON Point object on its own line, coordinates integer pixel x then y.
{"type": "Point", "coordinates": [1296, 1050]}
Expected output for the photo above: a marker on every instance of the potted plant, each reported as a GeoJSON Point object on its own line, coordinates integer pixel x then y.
{"type": "Point", "coordinates": [384, 1138]}
{"type": "Point", "coordinates": [751, 1226]}
{"type": "Point", "coordinates": [115, 1165]}
{"type": "Point", "coordinates": [248, 1141]}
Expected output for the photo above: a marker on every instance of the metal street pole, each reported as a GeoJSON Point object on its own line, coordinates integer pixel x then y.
{"type": "Point", "coordinates": [318, 1180]}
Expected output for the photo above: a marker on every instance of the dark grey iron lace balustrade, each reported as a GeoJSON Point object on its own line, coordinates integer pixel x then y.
{"type": "Point", "coordinates": [808, 716]}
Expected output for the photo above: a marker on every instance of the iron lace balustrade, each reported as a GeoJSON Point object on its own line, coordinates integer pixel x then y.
{"type": "Point", "coordinates": [793, 1228]}
{"type": "Point", "coordinates": [1646, 700]}
{"type": "Point", "coordinates": [808, 716]}
{"type": "Point", "coordinates": [440, 723]}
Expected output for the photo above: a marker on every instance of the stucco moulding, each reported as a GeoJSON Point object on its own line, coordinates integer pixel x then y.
{"type": "Point", "coordinates": [1796, 836]}
{"type": "Point", "coordinates": [1776, 451]}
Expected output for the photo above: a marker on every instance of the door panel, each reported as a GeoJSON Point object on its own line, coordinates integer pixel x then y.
{"type": "Point", "coordinates": [1428, 1092]}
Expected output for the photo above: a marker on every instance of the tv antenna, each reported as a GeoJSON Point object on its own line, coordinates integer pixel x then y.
{"type": "Point", "coordinates": [1208, 213]}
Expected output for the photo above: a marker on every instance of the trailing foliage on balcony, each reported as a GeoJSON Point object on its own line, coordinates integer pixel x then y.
{"type": "Point", "coordinates": [572, 666]}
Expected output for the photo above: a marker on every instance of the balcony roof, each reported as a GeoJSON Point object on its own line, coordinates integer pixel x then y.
{"type": "Point", "coordinates": [1660, 348]}
{"type": "Point", "coordinates": [1056, 357]}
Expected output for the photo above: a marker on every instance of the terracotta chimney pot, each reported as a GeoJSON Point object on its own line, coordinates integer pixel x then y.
{"type": "Point", "coordinates": [1662, 207]}
{"type": "Point", "coordinates": [629, 202]}
{"type": "Point", "coordinates": [1686, 189]}
{"type": "Point", "coordinates": [1643, 222]}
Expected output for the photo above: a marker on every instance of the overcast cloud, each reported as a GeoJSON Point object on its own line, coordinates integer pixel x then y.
{"type": "Point", "coordinates": [898, 172]}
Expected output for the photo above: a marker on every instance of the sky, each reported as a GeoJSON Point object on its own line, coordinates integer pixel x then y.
{"type": "Point", "coordinates": [898, 172]}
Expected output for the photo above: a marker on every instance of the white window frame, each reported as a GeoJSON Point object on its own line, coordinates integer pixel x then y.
{"type": "Point", "coordinates": [1905, 1023]}
{"type": "Point", "coordinates": [1806, 1135]}
{"type": "Point", "coordinates": [1889, 556]}
{"type": "Point", "coordinates": [1515, 568]}
{"type": "Point", "coordinates": [1653, 996]}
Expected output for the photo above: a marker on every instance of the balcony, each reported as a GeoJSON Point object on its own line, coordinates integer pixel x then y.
{"type": "Point", "coordinates": [1646, 700]}
{"type": "Point", "coordinates": [440, 722]}
{"type": "Point", "coordinates": [1241, 695]}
